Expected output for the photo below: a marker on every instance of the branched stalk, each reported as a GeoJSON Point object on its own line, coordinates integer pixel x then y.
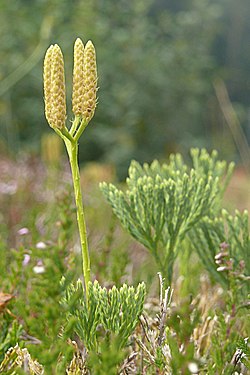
{"type": "Point", "coordinates": [83, 107]}
{"type": "Point", "coordinates": [75, 125]}
{"type": "Point", "coordinates": [81, 129]}
{"type": "Point", "coordinates": [67, 134]}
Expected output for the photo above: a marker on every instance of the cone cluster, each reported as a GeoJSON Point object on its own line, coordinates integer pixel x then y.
{"type": "Point", "coordinates": [84, 84]}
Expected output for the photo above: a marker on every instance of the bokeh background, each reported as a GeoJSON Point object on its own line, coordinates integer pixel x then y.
{"type": "Point", "coordinates": [172, 75]}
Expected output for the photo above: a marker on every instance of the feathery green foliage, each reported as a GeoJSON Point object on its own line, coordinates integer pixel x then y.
{"type": "Point", "coordinates": [223, 245]}
{"type": "Point", "coordinates": [163, 202]}
{"type": "Point", "coordinates": [116, 310]}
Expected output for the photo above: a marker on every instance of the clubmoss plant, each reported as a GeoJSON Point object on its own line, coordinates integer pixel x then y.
{"type": "Point", "coordinates": [164, 202]}
{"type": "Point", "coordinates": [83, 103]}
{"type": "Point", "coordinates": [116, 311]}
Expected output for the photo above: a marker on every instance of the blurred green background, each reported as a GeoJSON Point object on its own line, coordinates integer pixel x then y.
{"type": "Point", "coordinates": [158, 64]}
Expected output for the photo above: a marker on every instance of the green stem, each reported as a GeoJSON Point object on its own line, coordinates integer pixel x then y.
{"type": "Point", "coordinates": [170, 257]}
{"type": "Point", "coordinates": [75, 124]}
{"type": "Point", "coordinates": [72, 149]}
{"type": "Point", "coordinates": [67, 134]}
{"type": "Point", "coordinates": [80, 130]}
{"type": "Point", "coordinates": [64, 134]}
{"type": "Point", "coordinates": [157, 258]}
